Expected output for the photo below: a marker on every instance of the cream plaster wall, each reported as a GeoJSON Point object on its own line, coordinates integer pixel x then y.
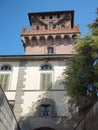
{"type": "Point", "coordinates": [31, 88]}
{"type": "Point", "coordinates": [32, 76]}
{"type": "Point", "coordinates": [14, 75]}
{"type": "Point", "coordinates": [10, 95]}
{"type": "Point", "coordinates": [32, 91]}
{"type": "Point", "coordinates": [31, 100]}
{"type": "Point", "coordinates": [33, 72]}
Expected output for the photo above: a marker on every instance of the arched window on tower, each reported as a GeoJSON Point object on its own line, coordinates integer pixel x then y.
{"type": "Point", "coordinates": [5, 76]}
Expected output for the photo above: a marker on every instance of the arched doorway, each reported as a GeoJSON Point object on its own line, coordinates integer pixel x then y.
{"type": "Point", "coordinates": [44, 128]}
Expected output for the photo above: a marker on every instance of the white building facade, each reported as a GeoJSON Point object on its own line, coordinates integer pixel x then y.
{"type": "Point", "coordinates": [33, 82]}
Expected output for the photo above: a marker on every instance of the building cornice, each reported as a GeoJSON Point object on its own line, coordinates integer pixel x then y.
{"type": "Point", "coordinates": [34, 57]}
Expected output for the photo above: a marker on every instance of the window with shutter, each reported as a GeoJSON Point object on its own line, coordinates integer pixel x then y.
{"type": "Point", "coordinates": [5, 74]}
{"type": "Point", "coordinates": [46, 81]}
{"type": "Point", "coordinates": [4, 80]}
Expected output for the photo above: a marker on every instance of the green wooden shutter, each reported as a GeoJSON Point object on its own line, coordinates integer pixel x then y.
{"type": "Point", "coordinates": [49, 80]}
{"type": "Point", "coordinates": [43, 80]}
{"type": "Point", "coordinates": [46, 81]}
{"type": "Point", "coordinates": [4, 78]}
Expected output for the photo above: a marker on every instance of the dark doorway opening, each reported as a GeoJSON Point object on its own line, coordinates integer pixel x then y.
{"type": "Point", "coordinates": [44, 128]}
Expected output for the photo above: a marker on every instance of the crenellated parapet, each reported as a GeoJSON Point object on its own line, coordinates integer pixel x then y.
{"type": "Point", "coordinates": [57, 30]}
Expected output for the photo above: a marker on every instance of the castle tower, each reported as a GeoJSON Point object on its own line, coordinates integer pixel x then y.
{"type": "Point", "coordinates": [50, 33]}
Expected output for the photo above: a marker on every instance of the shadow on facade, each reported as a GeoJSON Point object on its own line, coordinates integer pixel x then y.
{"type": "Point", "coordinates": [35, 121]}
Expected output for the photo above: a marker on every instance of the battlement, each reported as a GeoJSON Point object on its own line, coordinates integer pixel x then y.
{"type": "Point", "coordinates": [58, 29]}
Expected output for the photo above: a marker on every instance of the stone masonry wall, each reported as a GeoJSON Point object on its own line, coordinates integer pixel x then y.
{"type": "Point", "coordinates": [90, 121]}
{"type": "Point", "coordinates": [7, 118]}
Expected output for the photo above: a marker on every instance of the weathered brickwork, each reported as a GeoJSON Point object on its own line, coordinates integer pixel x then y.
{"type": "Point", "coordinates": [55, 29]}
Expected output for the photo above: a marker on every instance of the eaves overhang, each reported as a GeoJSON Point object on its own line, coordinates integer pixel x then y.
{"type": "Point", "coordinates": [35, 57]}
{"type": "Point", "coordinates": [52, 13]}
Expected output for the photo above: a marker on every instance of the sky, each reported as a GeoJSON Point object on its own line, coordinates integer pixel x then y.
{"type": "Point", "coordinates": [14, 16]}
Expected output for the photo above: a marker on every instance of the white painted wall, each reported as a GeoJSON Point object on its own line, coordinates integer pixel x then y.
{"type": "Point", "coordinates": [31, 98]}
{"type": "Point", "coordinates": [32, 83]}
{"type": "Point", "coordinates": [33, 72]}
{"type": "Point", "coordinates": [32, 91]}
{"type": "Point", "coordinates": [14, 75]}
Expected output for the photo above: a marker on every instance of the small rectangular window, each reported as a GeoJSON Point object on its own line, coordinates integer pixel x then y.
{"type": "Point", "coordinates": [4, 80]}
{"type": "Point", "coordinates": [50, 24]}
{"type": "Point", "coordinates": [50, 50]}
{"type": "Point", "coordinates": [45, 110]}
{"type": "Point", "coordinates": [46, 81]}
{"type": "Point", "coordinates": [62, 26]}
{"type": "Point", "coordinates": [37, 28]}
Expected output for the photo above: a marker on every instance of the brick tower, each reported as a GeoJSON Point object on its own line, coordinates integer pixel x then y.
{"type": "Point", "coordinates": [50, 33]}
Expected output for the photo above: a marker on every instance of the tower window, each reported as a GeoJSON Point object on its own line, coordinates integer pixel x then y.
{"type": "Point", "coordinates": [50, 16]}
{"type": "Point", "coordinates": [45, 110]}
{"type": "Point", "coordinates": [37, 28]}
{"type": "Point", "coordinates": [50, 24]}
{"type": "Point", "coordinates": [62, 26]}
{"type": "Point", "coordinates": [43, 17]}
{"type": "Point", "coordinates": [50, 50]}
{"type": "Point", "coordinates": [58, 16]}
